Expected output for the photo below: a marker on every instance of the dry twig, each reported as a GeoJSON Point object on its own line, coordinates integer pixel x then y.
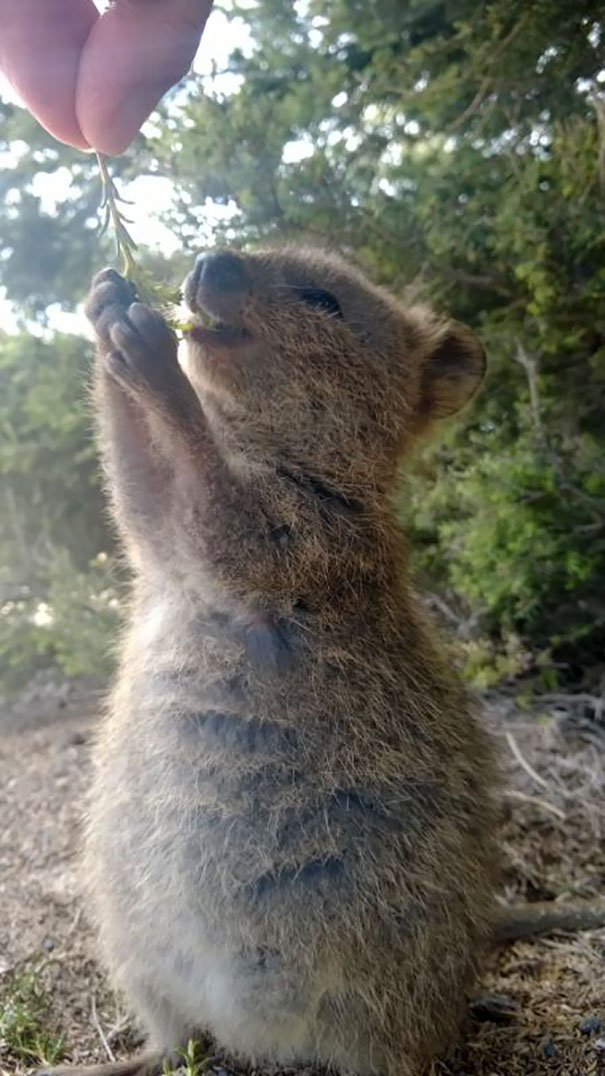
{"type": "Point", "coordinates": [100, 1032]}
{"type": "Point", "coordinates": [512, 743]}
{"type": "Point", "coordinates": [515, 794]}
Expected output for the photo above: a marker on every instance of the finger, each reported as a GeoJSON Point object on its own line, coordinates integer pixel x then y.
{"type": "Point", "coordinates": [126, 339]}
{"type": "Point", "coordinates": [106, 320]}
{"type": "Point", "coordinates": [116, 364]}
{"type": "Point", "coordinates": [102, 295]}
{"type": "Point", "coordinates": [107, 292]}
{"type": "Point", "coordinates": [108, 275]}
{"type": "Point", "coordinates": [136, 51]}
{"type": "Point", "coordinates": [40, 46]}
{"type": "Point", "coordinates": [150, 325]}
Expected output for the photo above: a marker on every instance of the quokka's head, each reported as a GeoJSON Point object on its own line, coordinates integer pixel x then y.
{"type": "Point", "coordinates": [305, 361]}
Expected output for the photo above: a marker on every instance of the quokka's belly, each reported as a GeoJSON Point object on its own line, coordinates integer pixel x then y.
{"type": "Point", "coordinates": [250, 869]}
{"type": "Point", "coordinates": [295, 951]}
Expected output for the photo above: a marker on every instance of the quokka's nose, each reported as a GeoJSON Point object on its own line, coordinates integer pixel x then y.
{"type": "Point", "coordinates": [220, 270]}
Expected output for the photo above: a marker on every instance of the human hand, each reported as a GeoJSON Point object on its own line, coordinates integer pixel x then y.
{"type": "Point", "coordinates": [92, 79]}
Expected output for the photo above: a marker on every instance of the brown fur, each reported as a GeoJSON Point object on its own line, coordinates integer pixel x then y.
{"type": "Point", "coordinates": [289, 841]}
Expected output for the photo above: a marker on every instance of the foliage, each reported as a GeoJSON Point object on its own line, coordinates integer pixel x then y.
{"type": "Point", "coordinates": [73, 627]}
{"type": "Point", "coordinates": [50, 478]}
{"type": "Point", "coordinates": [84, 606]}
{"type": "Point", "coordinates": [192, 1061]}
{"type": "Point", "coordinates": [24, 1013]}
{"type": "Point", "coordinates": [53, 523]}
{"type": "Point", "coordinates": [457, 149]}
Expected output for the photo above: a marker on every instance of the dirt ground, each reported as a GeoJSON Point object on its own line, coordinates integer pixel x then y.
{"type": "Point", "coordinates": [553, 847]}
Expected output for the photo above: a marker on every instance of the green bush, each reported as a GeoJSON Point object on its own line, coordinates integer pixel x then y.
{"type": "Point", "coordinates": [459, 149]}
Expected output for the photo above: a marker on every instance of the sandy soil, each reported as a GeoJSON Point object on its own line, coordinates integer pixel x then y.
{"type": "Point", "coordinates": [553, 842]}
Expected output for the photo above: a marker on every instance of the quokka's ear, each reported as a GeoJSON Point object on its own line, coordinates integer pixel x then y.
{"type": "Point", "coordinates": [453, 369]}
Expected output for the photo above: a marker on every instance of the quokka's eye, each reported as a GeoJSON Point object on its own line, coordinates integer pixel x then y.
{"type": "Point", "coordinates": [323, 300]}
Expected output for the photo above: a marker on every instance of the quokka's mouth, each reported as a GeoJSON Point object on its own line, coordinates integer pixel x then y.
{"type": "Point", "coordinates": [204, 319]}
{"type": "Point", "coordinates": [204, 328]}
{"type": "Point", "coordinates": [203, 325]}
{"type": "Point", "coordinates": [217, 334]}
{"type": "Point", "coordinates": [200, 325]}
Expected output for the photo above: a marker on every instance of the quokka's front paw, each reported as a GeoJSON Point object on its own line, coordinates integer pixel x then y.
{"type": "Point", "coordinates": [136, 343]}
{"type": "Point", "coordinates": [108, 302]}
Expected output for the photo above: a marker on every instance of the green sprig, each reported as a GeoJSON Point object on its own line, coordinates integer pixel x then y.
{"type": "Point", "coordinates": [150, 291]}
